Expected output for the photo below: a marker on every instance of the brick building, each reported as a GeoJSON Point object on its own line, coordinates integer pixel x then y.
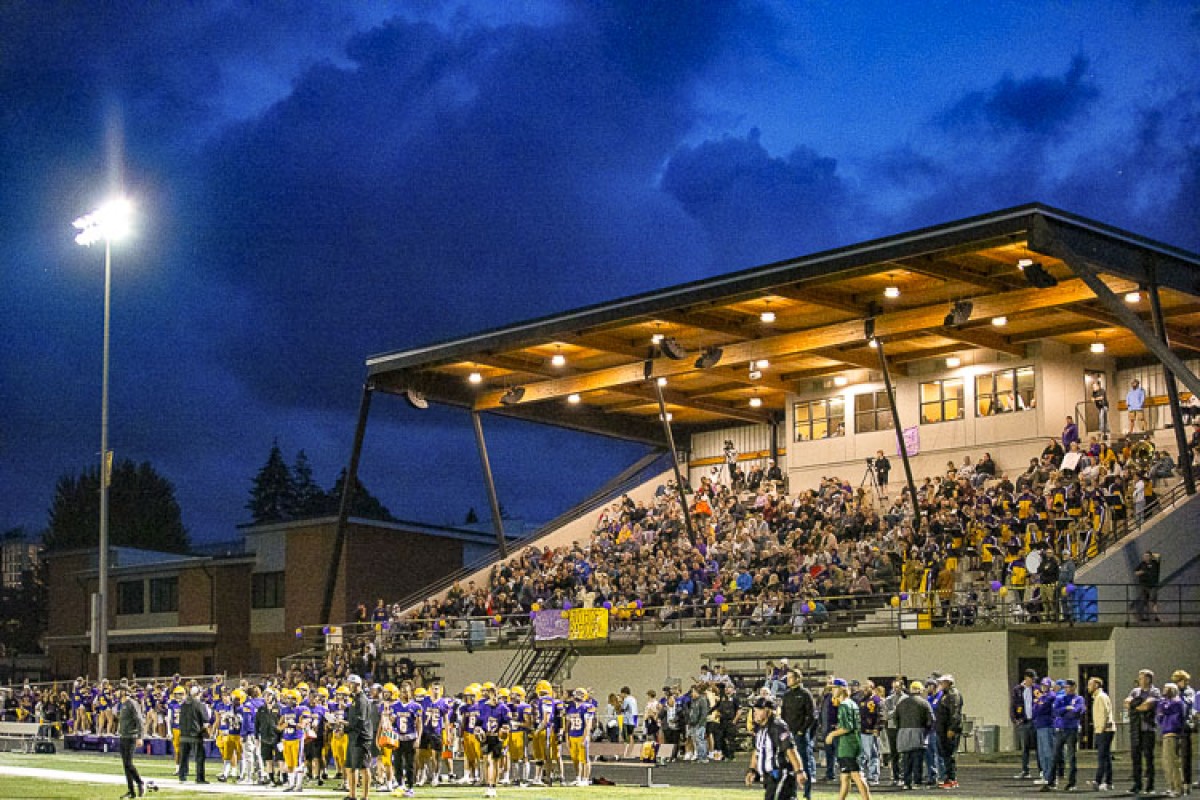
{"type": "Point", "coordinates": [238, 612]}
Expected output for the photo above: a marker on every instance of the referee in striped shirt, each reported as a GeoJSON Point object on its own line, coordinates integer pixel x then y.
{"type": "Point", "coordinates": [775, 760]}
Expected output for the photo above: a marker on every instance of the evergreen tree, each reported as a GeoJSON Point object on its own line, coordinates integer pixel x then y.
{"type": "Point", "coordinates": [142, 511]}
{"type": "Point", "coordinates": [308, 498]}
{"type": "Point", "coordinates": [272, 497]}
{"type": "Point", "coordinates": [362, 503]}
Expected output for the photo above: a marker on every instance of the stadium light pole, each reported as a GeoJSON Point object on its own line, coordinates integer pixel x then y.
{"type": "Point", "coordinates": [109, 223]}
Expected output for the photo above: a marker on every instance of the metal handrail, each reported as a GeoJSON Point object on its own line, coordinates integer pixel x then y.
{"type": "Point", "coordinates": [879, 613]}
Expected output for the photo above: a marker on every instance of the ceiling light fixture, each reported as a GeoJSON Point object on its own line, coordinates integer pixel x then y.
{"type": "Point", "coordinates": [767, 316]}
{"type": "Point", "coordinates": [891, 292]}
{"type": "Point", "coordinates": [953, 361]}
{"type": "Point", "coordinates": [672, 349]}
{"type": "Point", "coordinates": [841, 380]}
{"type": "Point", "coordinates": [1133, 297]}
{"type": "Point", "coordinates": [475, 377]}
{"type": "Point", "coordinates": [709, 358]}
{"type": "Point", "coordinates": [558, 360]}
{"type": "Point", "coordinates": [513, 396]}
{"type": "Point", "coordinates": [762, 363]}
{"type": "Point", "coordinates": [960, 313]}
{"type": "Point", "coordinates": [1036, 274]}
{"type": "Point", "coordinates": [416, 399]}
{"type": "Point", "coordinates": [573, 399]}
{"type": "Point", "coordinates": [999, 322]}
{"type": "Point", "coordinates": [662, 381]}
{"type": "Point", "coordinates": [656, 338]}
{"type": "Point", "coordinates": [873, 344]}
{"type": "Point", "coordinates": [1097, 347]}
{"type": "Point", "coordinates": [755, 402]}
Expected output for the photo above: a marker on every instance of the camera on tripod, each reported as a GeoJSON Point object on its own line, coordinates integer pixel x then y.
{"type": "Point", "coordinates": [870, 461]}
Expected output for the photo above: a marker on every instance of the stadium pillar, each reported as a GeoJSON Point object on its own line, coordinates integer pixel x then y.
{"type": "Point", "coordinates": [339, 538]}
{"type": "Point", "coordinates": [493, 500]}
{"type": "Point", "coordinates": [1181, 442]}
{"type": "Point", "coordinates": [680, 485]}
{"type": "Point", "coordinates": [900, 445]}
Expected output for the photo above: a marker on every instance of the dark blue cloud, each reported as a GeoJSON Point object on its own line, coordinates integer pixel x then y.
{"type": "Point", "coordinates": [1042, 105]}
{"type": "Point", "coordinates": [756, 207]}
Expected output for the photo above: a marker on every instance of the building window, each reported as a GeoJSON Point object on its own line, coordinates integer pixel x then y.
{"type": "Point", "coordinates": [872, 413]}
{"type": "Point", "coordinates": [142, 668]}
{"type": "Point", "coordinates": [266, 590]}
{"type": "Point", "coordinates": [164, 595]}
{"type": "Point", "coordinates": [1004, 392]}
{"type": "Point", "coordinates": [820, 419]}
{"type": "Point", "coordinates": [168, 666]}
{"type": "Point", "coordinates": [941, 401]}
{"type": "Point", "coordinates": [131, 597]}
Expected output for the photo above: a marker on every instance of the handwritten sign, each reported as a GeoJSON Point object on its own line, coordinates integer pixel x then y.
{"type": "Point", "coordinates": [550, 624]}
{"type": "Point", "coordinates": [912, 441]}
{"type": "Point", "coordinates": [588, 623]}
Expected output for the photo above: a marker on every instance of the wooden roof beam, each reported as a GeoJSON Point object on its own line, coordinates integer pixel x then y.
{"type": "Point", "coordinates": [898, 322]}
{"type": "Point", "coordinates": [1178, 337]}
{"type": "Point", "coordinates": [980, 337]}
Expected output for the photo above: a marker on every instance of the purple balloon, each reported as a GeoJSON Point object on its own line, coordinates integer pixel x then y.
{"type": "Point", "coordinates": [904, 595]}
{"type": "Point", "coordinates": [566, 605]}
{"type": "Point", "coordinates": [1070, 588]}
{"type": "Point", "coordinates": [719, 599]}
{"type": "Point", "coordinates": [996, 586]}
{"type": "Point", "coordinates": [638, 603]}
{"type": "Point", "coordinates": [608, 605]}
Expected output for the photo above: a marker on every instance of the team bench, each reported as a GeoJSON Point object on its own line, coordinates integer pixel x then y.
{"type": "Point", "coordinates": [628, 756]}
{"type": "Point", "coordinates": [22, 734]}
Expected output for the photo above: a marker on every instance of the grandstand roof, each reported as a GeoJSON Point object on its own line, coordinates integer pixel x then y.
{"type": "Point", "coordinates": [820, 303]}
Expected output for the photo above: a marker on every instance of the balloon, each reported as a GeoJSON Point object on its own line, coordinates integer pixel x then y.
{"type": "Point", "coordinates": [719, 599]}
{"type": "Point", "coordinates": [325, 631]}
{"type": "Point", "coordinates": [566, 605]}
{"type": "Point", "coordinates": [805, 608]}
{"type": "Point", "coordinates": [536, 606]}
{"type": "Point", "coordinates": [378, 627]}
{"type": "Point", "coordinates": [299, 633]}
{"type": "Point", "coordinates": [637, 604]}
{"type": "Point", "coordinates": [724, 607]}
{"type": "Point", "coordinates": [1003, 591]}
{"type": "Point", "coordinates": [996, 586]}
{"type": "Point", "coordinates": [904, 595]}
{"type": "Point", "coordinates": [387, 625]}
{"type": "Point", "coordinates": [441, 623]}
{"type": "Point", "coordinates": [608, 605]}
{"type": "Point", "coordinates": [497, 618]}
{"type": "Point", "coordinates": [895, 601]}
{"type": "Point", "coordinates": [1070, 588]}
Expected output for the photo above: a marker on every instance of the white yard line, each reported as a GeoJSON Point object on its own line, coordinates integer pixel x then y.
{"type": "Point", "coordinates": [165, 783]}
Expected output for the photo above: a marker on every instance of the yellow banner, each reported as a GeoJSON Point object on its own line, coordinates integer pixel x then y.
{"type": "Point", "coordinates": [588, 623]}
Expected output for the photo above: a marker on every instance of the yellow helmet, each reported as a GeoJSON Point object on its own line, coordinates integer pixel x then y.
{"type": "Point", "coordinates": [421, 693]}
{"type": "Point", "coordinates": [503, 692]}
{"type": "Point", "coordinates": [544, 688]}
{"type": "Point", "coordinates": [472, 689]}
{"type": "Point", "coordinates": [291, 694]}
{"type": "Point", "coordinates": [342, 691]}
{"type": "Point", "coordinates": [518, 691]}
{"type": "Point", "coordinates": [302, 688]}
{"type": "Point", "coordinates": [390, 688]}
{"type": "Point", "coordinates": [323, 692]}
{"type": "Point", "coordinates": [179, 691]}
{"type": "Point", "coordinates": [489, 687]}
{"type": "Point", "coordinates": [239, 696]}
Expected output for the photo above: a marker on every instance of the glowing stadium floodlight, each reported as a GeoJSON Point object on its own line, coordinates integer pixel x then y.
{"type": "Point", "coordinates": [574, 398]}
{"type": "Point", "coordinates": [110, 222]}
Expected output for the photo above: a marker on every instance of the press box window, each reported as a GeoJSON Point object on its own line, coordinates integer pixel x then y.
{"type": "Point", "coordinates": [1004, 392]}
{"type": "Point", "coordinates": [941, 401]}
{"type": "Point", "coordinates": [872, 413]}
{"type": "Point", "coordinates": [266, 590]}
{"type": "Point", "coordinates": [164, 595]}
{"type": "Point", "coordinates": [820, 419]}
{"type": "Point", "coordinates": [131, 597]}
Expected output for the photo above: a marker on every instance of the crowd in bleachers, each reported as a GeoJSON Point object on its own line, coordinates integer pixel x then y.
{"type": "Point", "coordinates": [755, 559]}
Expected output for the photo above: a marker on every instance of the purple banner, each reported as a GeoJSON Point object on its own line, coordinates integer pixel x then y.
{"type": "Point", "coordinates": [912, 441]}
{"type": "Point", "coordinates": [551, 624]}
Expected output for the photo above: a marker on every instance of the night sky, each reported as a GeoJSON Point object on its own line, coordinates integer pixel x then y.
{"type": "Point", "coordinates": [317, 182]}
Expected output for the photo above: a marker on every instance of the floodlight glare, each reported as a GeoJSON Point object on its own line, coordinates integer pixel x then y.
{"type": "Point", "coordinates": [110, 222]}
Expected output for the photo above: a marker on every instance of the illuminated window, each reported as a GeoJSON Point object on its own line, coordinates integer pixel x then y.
{"type": "Point", "coordinates": [872, 413]}
{"type": "Point", "coordinates": [1004, 392]}
{"type": "Point", "coordinates": [820, 419]}
{"type": "Point", "coordinates": [941, 401]}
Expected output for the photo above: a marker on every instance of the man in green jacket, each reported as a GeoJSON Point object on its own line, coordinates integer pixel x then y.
{"type": "Point", "coordinates": [847, 740]}
{"type": "Point", "coordinates": [131, 728]}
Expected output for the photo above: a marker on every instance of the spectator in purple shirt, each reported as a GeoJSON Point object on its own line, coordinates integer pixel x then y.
{"type": "Point", "coordinates": [1070, 434]}
{"type": "Point", "coordinates": [1169, 715]}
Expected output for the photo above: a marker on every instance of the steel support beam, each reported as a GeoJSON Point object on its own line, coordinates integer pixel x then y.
{"type": "Point", "coordinates": [908, 475]}
{"type": "Point", "coordinates": [339, 538]}
{"type": "Point", "coordinates": [493, 499]}
{"type": "Point", "coordinates": [680, 485]}
{"type": "Point", "coordinates": [1181, 442]}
